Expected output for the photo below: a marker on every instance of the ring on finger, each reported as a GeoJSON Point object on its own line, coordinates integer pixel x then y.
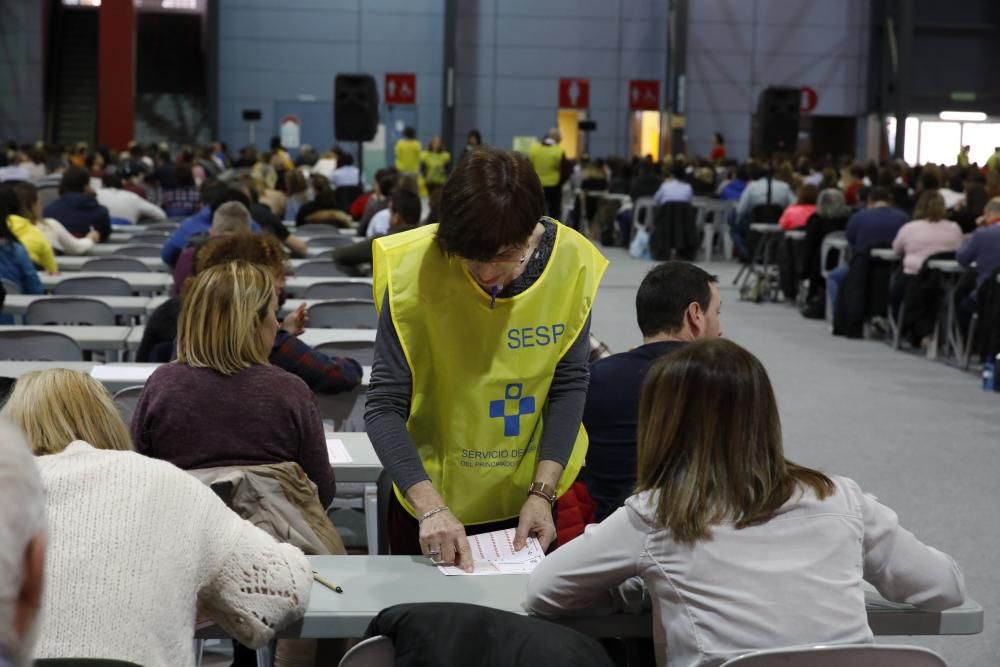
{"type": "Point", "coordinates": [431, 554]}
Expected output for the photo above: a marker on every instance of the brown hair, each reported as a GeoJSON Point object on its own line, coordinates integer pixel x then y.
{"type": "Point", "coordinates": [221, 316]}
{"type": "Point", "coordinates": [709, 442]}
{"type": "Point", "coordinates": [260, 249]}
{"type": "Point", "coordinates": [930, 207]}
{"type": "Point", "coordinates": [808, 194]}
{"type": "Point", "coordinates": [57, 406]}
{"type": "Point", "coordinates": [493, 200]}
{"type": "Point", "coordinates": [295, 182]}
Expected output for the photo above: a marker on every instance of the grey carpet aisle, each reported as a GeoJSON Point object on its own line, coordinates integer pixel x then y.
{"type": "Point", "coordinates": [921, 436]}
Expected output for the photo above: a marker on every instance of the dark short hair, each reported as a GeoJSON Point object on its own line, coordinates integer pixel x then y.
{"type": "Point", "coordinates": [407, 205]}
{"type": "Point", "coordinates": [666, 292]}
{"type": "Point", "coordinates": [409, 133]}
{"type": "Point", "coordinates": [111, 180]}
{"type": "Point", "coordinates": [74, 179]}
{"type": "Point", "coordinates": [492, 200]}
{"type": "Point", "coordinates": [231, 194]}
{"type": "Point", "coordinates": [211, 189]}
{"type": "Point", "coordinates": [878, 193]}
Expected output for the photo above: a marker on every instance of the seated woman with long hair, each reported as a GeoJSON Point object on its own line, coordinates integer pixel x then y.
{"type": "Point", "coordinates": [738, 548]}
{"type": "Point", "coordinates": [135, 545]}
{"type": "Point", "coordinates": [222, 403]}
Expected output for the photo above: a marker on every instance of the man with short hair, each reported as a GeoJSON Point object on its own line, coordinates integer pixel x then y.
{"type": "Point", "coordinates": [230, 217]}
{"type": "Point", "coordinates": [124, 204]}
{"type": "Point", "coordinates": [77, 208]}
{"type": "Point", "coordinates": [982, 248]}
{"type": "Point", "coordinates": [213, 193]}
{"type": "Point", "coordinates": [879, 223]}
{"type": "Point", "coordinates": [22, 548]}
{"type": "Point", "coordinates": [677, 303]}
{"type": "Point", "coordinates": [674, 188]}
{"type": "Point", "coordinates": [404, 214]}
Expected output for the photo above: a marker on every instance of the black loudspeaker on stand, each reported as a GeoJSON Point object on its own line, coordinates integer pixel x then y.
{"type": "Point", "coordinates": [776, 124]}
{"type": "Point", "coordinates": [355, 107]}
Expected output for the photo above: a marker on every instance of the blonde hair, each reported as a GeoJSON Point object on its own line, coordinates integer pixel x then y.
{"type": "Point", "coordinates": [221, 316]}
{"type": "Point", "coordinates": [57, 406]}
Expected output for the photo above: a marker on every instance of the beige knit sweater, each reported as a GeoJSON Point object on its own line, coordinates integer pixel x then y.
{"type": "Point", "coordinates": [136, 544]}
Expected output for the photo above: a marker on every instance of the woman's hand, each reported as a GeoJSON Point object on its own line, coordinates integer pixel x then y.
{"type": "Point", "coordinates": [535, 520]}
{"type": "Point", "coordinates": [295, 322]}
{"type": "Point", "coordinates": [443, 540]}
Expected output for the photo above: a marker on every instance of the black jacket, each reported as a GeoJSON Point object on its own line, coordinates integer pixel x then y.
{"type": "Point", "coordinates": [923, 298]}
{"type": "Point", "coordinates": [674, 229]}
{"type": "Point", "coordinates": [864, 293]}
{"type": "Point", "coordinates": [447, 634]}
{"type": "Point", "coordinates": [988, 302]}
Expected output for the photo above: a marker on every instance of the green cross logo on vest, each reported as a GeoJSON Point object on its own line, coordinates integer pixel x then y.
{"type": "Point", "coordinates": [524, 405]}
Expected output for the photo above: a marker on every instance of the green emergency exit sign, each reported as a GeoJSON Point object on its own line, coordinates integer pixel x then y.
{"type": "Point", "coordinates": [963, 96]}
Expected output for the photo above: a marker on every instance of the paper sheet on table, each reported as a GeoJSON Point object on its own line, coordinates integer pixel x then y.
{"type": "Point", "coordinates": [337, 451]}
{"type": "Point", "coordinates": [122, 373]}
{"type": "Point", "coordinates": [493, 553]}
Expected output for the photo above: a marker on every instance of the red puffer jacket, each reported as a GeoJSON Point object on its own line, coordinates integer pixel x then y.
{"type": "Point", "coordinates": [574, 511]}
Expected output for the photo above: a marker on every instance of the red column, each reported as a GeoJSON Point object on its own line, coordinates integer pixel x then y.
{"type": "Point", "coordinates": [116, 73]}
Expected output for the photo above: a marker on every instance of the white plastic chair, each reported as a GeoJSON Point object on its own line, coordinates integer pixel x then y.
{"type": "Point", "coordinates": [112, 264]}
{"type": "Point", "coordinates": [321, 268]}
{"type": "Point", "coordinates": [338, 290]}
{"type": "Point", "coordinates": [34, 345]}
{"type": "Point", "coordinates": [848, 655]}
{"type": "Point", "coordinates": [70, 310]}
{"type": "Point", "coordinates": [373, 652]}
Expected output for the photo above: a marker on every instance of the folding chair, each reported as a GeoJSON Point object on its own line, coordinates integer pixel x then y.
{"type": "Point", "coordinates": [372, 652]}
{"type": "Point", "coordinates": [92, 286]}
{"type": "Point", "coordinates": [150, 237]}
{"type": "Point", "coordinates": [162, 227]}
{"type": "Point", "coordinates": [309, 231]}
{"type": "Point", "coordinates": [362, 351]}
{"type": "Point", "coordinates": [344, 314]}
{"type": "Point", "coordinates": [115, 264]}
{"type": "Point", "coordinates": [133, 249]}
{"type": "Point", "coordinates": [848, 655]}
{"type": "Point", "coordinates": [321, 268]}
{"type": "Point", "coordinates": [35, 345]}
{"type": "Point", "coordinates": [339, 290]}
{"type": "Point", "coordinates": [337, 241]}
{"type": "Point", "coordinates": [125, 400]}
{"type": "Point", "coordinates": [72, 310]}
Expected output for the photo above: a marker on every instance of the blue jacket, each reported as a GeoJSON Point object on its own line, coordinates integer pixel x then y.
{"type": "Point", "coordinates": [199, 223]}
{"type": "Point", "coordinates": [983, 248]}
{"type": "Point", "coordinates": [78, 213]}
{"type": "Point", "coordinates": [16, 266]}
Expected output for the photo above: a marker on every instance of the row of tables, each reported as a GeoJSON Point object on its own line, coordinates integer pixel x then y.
{"type": "Point", "coordinates": [161, 283]}
{"type": "Point", "coordinates": [128, 306]}
{"type": "Point", "coordinates": [119, 339]}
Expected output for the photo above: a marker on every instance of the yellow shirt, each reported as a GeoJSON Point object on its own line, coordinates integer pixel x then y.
{"type": "Point", "coordinates": [34, 241]}
{"type": "Point", "coordinates": [436, 164]}
{"type": "Point", "coordinates": [547, 161]}
{"type": "Point", "coordinates": [408, 156]}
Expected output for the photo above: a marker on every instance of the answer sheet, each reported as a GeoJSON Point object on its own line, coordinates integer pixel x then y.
{"type": "Point", "coordinates": [493, 553]}
{"type": "Point", "coordinates": [337, 451]}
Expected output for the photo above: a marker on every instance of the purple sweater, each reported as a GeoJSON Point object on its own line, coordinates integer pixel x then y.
{"type": "Point", "coordinates": [198, 418]}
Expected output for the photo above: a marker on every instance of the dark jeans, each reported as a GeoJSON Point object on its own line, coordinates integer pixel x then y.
{"type": "Point", "coordinates": [553, 201]}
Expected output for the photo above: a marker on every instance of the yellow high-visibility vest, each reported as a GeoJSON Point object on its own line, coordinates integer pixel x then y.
{"type": "Point", "coordinates": [481, 375]}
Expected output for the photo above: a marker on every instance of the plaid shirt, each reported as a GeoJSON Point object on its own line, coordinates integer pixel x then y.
{"type": "Point", "coordinates": [323, 374]}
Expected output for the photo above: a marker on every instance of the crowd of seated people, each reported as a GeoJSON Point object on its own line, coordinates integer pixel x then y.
{"type": "Point", "coordinates": [675, 513]}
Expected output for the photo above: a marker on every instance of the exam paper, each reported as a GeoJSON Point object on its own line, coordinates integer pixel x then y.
{"type": "Point", "coordinates": [337, 451]}
{"type": "Point", "coordinates": [123, 372]}
{"type": "Point", "coordinates": [493, 553]}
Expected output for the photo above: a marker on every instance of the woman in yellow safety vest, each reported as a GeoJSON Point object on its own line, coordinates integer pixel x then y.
{"type": "Point", "coordinates": [435, 161]}
{"type": "Point", "coordinates": [480, 371]}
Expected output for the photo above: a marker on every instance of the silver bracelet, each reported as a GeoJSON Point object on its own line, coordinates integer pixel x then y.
{"type": "Point", "coordinates": [427, 515]}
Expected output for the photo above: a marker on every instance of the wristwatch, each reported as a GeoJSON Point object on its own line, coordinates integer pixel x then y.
{"type": "Point", "coordinates": [542, 490]}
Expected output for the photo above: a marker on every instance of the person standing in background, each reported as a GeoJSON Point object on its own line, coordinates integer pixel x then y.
{"type": "Point", "coordinates": [408, 153]}
{"type": "Point", "coordinates": [546, 157]}
{"type": "Point", "coordinates": [436, 162]}
{"type": "Point", "coordinates": [718, 153]}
